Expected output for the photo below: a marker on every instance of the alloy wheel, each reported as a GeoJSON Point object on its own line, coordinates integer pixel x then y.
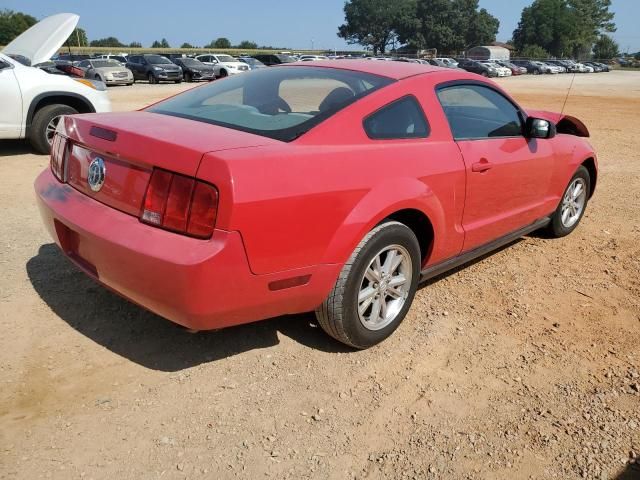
{"type": "Point", "coordinates": [51, 128]}
{"type": "Point", "coordinates": [573, 202]}
{"type": "Point", "coordinates": [384, 288]}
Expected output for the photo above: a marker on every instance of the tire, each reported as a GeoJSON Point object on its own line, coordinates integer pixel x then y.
{"type": "Point", "coordinates": [188, 78]}
{"type": "Point", "coordinates": [224, 73]}
{"type": "Point", "coordinates": [178, 81]}
{"type": "Point", "coordinates": [560, 225]}
{"type": "Point", "coordinates": [152, 79]}
{"type": "Point", "coordinates": [536, 72]}
{"type": "Point", "coordinates": [339, 314]}
{"type": "Point", "coordinates": [40, 132]}
{"type": "Point", "coordinates": [484, 74]}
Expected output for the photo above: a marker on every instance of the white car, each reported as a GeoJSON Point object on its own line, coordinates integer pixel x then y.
{"type": "Point", "coordinates": [311, 58]}
{"type": "Point", "coordinates": [585, 68]}
{"type": "Point", "coordinates": [33, 101]}
{"type": "Point", "coordinates": [502, 71]}
{"type": "Point", "coordinates": [223, 65]}
{"type": "Point", "coordinates": [546, 68]}
{"type": "Point", "coordinates": [451, 63]}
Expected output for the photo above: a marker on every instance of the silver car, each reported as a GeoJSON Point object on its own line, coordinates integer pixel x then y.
{"type": "Point", "coordinates": [111, 72]}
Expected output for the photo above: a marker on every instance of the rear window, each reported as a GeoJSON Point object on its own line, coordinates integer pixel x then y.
{"type": "Point", "coordinates": [281, 103]}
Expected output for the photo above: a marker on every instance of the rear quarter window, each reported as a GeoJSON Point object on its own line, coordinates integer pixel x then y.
{"type": "Point", "coordinates": [401, 119]}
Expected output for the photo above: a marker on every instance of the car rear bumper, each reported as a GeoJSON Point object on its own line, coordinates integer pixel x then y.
{"type": "Point", "coordinates": [200, 284]}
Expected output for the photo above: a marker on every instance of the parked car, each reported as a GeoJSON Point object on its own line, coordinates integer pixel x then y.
{"type": "Point", "coordinates": [111, 72]}
{"type": "Point", "coordinates": [596, 67]}
{"type": "Point", "coordinates": [502, 71]}
{"type": "Point", "coordinates": [223, 65]}
{"type": "Point", "coordinates": [194, 70]}
{"type": "Point", "coordinates": [265, 202]}
{"type": "Point", "coordinates": [477, 67]}
{"type": "Point", "coordinates": [34, 101]}
{"type": "Point", "coordinates": [532, 67]}
{"type": "Point", "coordinates": [253, 63]}
{"type": "Point", "coordinates": [119, 58]}
{"type": "Point", "coordinates": [546, 67]}
{"type": "Point", "coordinates": [563, 68]}
{"type": "Point", "coordinates": [274, 59]}
{"type": "Point", "coordinates": [311, 58]}
{"type": "Point", "coordinates": [71, 58]}
{"type": "Point", "coordinates": [436, 63]}
{"type": "Point", "coordinates": [154, 68]}
{"type": "Point", "coordinates": [69, 68]}
{"type": "Point", "coordinates": [449, 61]}
{"type": "Point", "coordinates": [515, 69]}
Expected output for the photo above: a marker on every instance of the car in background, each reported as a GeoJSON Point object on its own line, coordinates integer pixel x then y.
{"type": "Point", "coordinates": [449, 61]}
{"type": "Point", "coordinates": [111, 72]}
{"type": "Point", "coordinates": [33, 102]}
{"type": "Point", "coordinates": [270, 59]}
{"type": "Point", "coordinates": [436, 63]}
{"type": "Point", "coordinates": [312, 58]}
{"type": "Point", "coordinates": [515, 69]}
{"type": "Point", "coordinates": [596, 66]}
{"type": "Point", "coordinates": [265, 202]}
{"type": "Point", "coordinates": [194, 70]}
{"type": "Point", "coordinates": [119, 58]}
{"type": "Point", "coordinates": [223, 65]}
{"type": "Point", "coordinates": [70, 57]}
{"type": "Point", "coordinates": [502, 71]}
{"type": "Point", "coordinates": [546, 67]}
{"type": "Point", "coordinates": [531, 66]}
{"type": "Point", "coordinates": [477, 67]}
{"type": "Point", "coordinates": [585, 68]}
{"type": "Point", "coordinates": [69, 68]}
{"type": "Point", "coordinates": [154, 68]}
{"type": "Point", "coordinates": [254, 64]}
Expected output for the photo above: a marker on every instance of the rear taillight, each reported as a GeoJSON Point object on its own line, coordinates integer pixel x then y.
{"type": "Point", "coordinates": [58, 156]}
{"type": "Point", "coordinates": [180, 204]}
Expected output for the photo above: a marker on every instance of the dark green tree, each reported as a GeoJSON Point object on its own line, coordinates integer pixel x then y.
{"type": "Point", "coordinates": [449, 25]}
{"type": "Point", "coordinates": [247, 45]}
{"type": "Point", "coordinates": [160, 44]}
{"type": "Point", "coordinates": [534, 52]}
{"type": "Point", "coordinates": [374, 23]}
{"type": "Point", "coordinates": [221, 42]}
{"type": "Point", "coordinates": [605, 48]}
{"type": "Point", "coordinates": [78, 38]}
{"type": "Point", "coordinates": [135, 45]}
{"type": "Point", "coordinates": [107, 42]}
{"type": "Point", "coordinates": [13, 24]}
{"type": "Point", "coordinates": [186, 45]}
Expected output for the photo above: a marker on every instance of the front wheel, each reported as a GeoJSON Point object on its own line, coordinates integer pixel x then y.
{"type": "Point", "coordinates": [44, 124]}
{"type": "Point", "coordinates": [573, 205]}
{"type": "Point", "coordinates": [152, 79]}
{"type": "Point", "coordinates": [375, 288]}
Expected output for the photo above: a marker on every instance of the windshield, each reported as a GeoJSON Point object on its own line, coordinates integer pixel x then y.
{"type": "Point", "coordinates": [157, 59]}
{"type": "Point", "coordinates": [280, 103]}
{"type": "Point", "coordinates": [225, 58]}
{"type": "Point", "coordinates": [105, 63]}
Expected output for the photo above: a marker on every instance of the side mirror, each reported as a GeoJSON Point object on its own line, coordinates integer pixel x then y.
{"type": "Point", "coordinates": [539, 128]}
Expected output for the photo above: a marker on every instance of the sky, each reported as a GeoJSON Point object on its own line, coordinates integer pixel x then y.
{"type": "Point", "coordinates": [299, 24]}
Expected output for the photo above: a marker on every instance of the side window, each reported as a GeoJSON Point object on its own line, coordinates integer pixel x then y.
{"type": "Point", "coordinates": [84, 64]}
{"type": "Point", "coordinates": [403, 118]}
{"type": "Point", "coordinates": [476, 112]}
{"type": "Point", "coordinates": [134, 59]}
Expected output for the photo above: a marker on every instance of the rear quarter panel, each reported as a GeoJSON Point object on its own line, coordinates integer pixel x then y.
{"type": "Point", "coordinates": [311, 201]}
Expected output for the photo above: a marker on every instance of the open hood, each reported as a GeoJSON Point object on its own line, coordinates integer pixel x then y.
{"type": "Point", "coordinates": [45, 38]}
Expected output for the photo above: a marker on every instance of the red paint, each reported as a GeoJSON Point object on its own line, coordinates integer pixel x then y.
{"type": "Point", "coordinates": [287, 212]}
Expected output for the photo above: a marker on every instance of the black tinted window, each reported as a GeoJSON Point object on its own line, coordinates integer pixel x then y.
{"type": "Point", "coordinates": [475, 111]}
{"type": "Point", "coordinates": [401, 119]}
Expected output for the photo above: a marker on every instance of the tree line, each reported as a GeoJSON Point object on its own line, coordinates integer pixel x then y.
{"type": "Point", "coordinates": [557, 28]}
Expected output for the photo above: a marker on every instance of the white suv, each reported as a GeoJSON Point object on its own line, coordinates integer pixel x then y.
{"type": "Point", "coordinates": [33, 101]}
{"type": "Point", "coordinates": [223, 65]}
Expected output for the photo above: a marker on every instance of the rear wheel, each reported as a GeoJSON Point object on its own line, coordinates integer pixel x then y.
{"type": "Point", "coordinates": [375, 288]}
{"type": "Point", "coordinates": [187, 77]}
{"type": "Point", "coordinates": [573, 204]}
{"type": "Point", "coordinates": [44, 124]}
{"type": "Point", "coordinates": [152, 79]}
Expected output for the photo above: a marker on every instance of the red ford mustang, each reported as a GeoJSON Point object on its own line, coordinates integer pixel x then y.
{"type": "Point", "coordinates": [331, 186]}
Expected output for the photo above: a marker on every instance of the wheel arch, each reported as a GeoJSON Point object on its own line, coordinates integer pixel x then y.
{"type": "Point", "coordinates": [74, 100]}
{"type": "Point", "coordinates": [417, 207]}
{"type": "Point", "coordinates": [590, 165]}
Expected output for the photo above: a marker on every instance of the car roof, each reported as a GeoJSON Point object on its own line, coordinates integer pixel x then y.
{"type": "Point", "coordinates": [393, 70]}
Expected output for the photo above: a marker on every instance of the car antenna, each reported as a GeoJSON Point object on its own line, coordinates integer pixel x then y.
{"type": "Point", "coordinates": [568, 93]}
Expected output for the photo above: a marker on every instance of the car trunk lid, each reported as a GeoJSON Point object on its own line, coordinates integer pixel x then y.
{"type": "Point", "coordinates": [131, 145]}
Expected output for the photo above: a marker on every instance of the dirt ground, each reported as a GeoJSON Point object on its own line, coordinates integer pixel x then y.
{"type": "Point", "coordinates": [524, 365]}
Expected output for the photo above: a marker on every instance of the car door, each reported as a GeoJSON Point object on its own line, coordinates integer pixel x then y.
{"type": "Point", "coordinates": [11, 101]}
{"type": "Point", "coordinates": [508, 175]}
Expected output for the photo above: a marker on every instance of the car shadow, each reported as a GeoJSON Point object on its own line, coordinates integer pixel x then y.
{"type": "Point", "coordinates": [631, 472]}
{"type": "Point", "coordinates": [15, 147]}
{"type": "Point", "coordinates": [147, 339]}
